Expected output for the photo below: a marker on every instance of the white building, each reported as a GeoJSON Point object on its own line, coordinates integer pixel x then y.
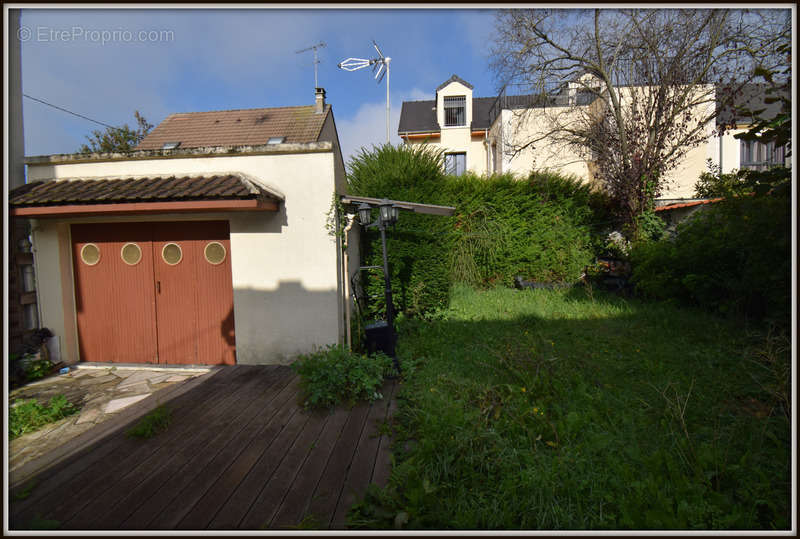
{"type": "Point", "coordinates": [478, 134]}
{"type": "Point", "coordinates": [206, 245]}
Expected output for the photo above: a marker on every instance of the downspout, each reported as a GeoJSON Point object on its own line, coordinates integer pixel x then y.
{"type": "Point", "coordinates": [486, 146]}
{"type": "Point", "coordinates": [720, 154]}
{"type": "Point", "coordinates": [346, 277]}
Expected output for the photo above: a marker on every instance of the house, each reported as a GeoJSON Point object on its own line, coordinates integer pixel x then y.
{"type": "Point", "coordinates": [205, 245]}
{"type": "Point", "coordinates": [480, 134]}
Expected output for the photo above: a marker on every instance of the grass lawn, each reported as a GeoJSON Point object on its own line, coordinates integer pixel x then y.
{"type": "Point", "coordinates": [561, 410]}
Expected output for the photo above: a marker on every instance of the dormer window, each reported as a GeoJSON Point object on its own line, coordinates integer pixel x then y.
{"type": "Point", "coordinates": [455, 111]}
{"type": "Point", "coordinates": [170, 145]}
{"type": "Point", "coordinates": [276, 140]}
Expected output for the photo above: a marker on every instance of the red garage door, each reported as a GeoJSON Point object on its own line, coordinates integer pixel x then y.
{"type": "Point", "coordinates": [154, 292]}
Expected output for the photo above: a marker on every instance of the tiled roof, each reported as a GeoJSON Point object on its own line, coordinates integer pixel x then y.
{"type": "Point", "coordinates": [676, 205]}
{"type": "Point", "coordinates": [245, 127]}
{"type": "Point", "coordinates": [150, 189]}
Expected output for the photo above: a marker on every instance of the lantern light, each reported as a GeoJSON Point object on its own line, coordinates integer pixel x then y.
{"type": "Point", "coordinates": [364, 213]}
{"type": "Point", "coordinates": [386, 212]}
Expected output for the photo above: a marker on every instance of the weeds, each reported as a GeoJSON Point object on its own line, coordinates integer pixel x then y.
{"type": "Point", "coordinates": [29, 415]}
{"type": "Point", "coordinates": [336, 375]}
{"type": "Point", "coordinates": [152, 424]}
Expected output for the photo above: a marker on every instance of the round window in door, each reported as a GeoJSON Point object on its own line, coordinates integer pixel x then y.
{"type": "Point", "coordinates": [131, 254]}
{"type": "Point", "coordinates": [90, 254]}
{"type": "Point", "coordinates": [172, 254]}
{"type": "Point", "coordinates": [215, 253]}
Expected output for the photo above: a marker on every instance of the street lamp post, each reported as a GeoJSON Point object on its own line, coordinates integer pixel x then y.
{"type": "Point", "coordinates": [387, 215]}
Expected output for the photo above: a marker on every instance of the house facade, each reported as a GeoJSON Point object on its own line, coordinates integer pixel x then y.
{"type": "Point", "coordinates": [487, 135]}
{"type": "Point", "coordinates": [206, 245]}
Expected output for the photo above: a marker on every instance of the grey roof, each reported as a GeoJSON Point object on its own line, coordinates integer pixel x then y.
{"type": "Point", "coordinates": [750, 98]}
{"type": "Point", "coordinates": [454, 78]}
{"type": "Point", "coordinates": [420, 116]}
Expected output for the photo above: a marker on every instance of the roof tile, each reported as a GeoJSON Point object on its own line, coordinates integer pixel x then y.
{"type": "Point", "coordinates": [245, 127]}
{"type": "Point", "coordinates": [162, 188]}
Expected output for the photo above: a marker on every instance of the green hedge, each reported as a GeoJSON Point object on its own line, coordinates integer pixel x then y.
{"type": "Point", "coordinates": [733, 257]}
{"type": "Point", "coordinates": [541, 227]}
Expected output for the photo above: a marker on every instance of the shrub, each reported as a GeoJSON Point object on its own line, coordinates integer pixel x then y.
{"type": "Point", "coordinates": [335, 375]}
{"type": "Point", "coordinates": [541, 227]}
{"type": "Point", "coordinates": [733, 257]}
{"type": "Point", "coordinates": [29, 415]}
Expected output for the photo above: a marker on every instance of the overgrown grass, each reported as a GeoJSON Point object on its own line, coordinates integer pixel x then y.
{"type": "Point", "coordinates": [560, 410]}
{"type": "Point", "coordinates": [29, 415]}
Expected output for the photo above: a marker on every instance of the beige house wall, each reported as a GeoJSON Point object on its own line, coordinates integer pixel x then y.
{"type": "Point", "coordinates": [524, 125]}
{"type": "Point", "coordinates": [285, 266]}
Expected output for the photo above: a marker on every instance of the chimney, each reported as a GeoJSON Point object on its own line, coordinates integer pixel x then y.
{"type": "Point", "coordinates": [319, 107]}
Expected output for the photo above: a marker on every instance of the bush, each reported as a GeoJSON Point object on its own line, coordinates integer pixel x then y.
{"type": "Point", "coordinates": [733, 257]}
{"type": "Point", "coordinates": [541, 227]}
{"type": "Point", "coordinates": [28, 415]}
{"type": "Point", "coordinates": [335, 375]}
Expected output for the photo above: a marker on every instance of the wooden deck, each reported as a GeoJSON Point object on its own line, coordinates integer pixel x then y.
{"type": "Point", "coordinates": [240, 453]}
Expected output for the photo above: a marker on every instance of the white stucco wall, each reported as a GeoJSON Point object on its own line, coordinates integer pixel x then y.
{"type": "Point", "coordinates": [522, 126]}
{"type": "Point", "coordinates": [287, 297]}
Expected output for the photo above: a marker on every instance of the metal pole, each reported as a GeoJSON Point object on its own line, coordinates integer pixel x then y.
{"type": "Point", "coordinates": [388, 295]}
{"type": "Point", "coordinates": [387, 99]}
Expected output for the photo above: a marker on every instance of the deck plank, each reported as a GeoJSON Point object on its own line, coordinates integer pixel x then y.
{"type": "Point", "coordinates": [267, 503]}
{"type": "Point", "coordinates": [76, 465]}
{"type": "Point", "coordinates": [240, 454]}
{"type": "Point", "coordinates": [224, 474]}
{"type": "Point", "coordinates": [174, 462]}
{"type": "Point", "coordinates": [383, 462]}
{"type": "Point", "coordinates": [269, 453]}
{"type": "Point", "coordinates": [202, 466]}
{"type": "Point", "coordinates": [295, 504]}
{"type": "Point", "coordinates": [360, 471]}
{"type": "Point", "coordinates": [71, 491]}
{"type": "Point", "coordinates": [191, 442]}
{"type": "Point", "coordinates": [326, 495]}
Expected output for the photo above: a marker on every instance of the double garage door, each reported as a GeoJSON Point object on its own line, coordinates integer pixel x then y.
{"type": "Point", "coordinates": [154, 292]}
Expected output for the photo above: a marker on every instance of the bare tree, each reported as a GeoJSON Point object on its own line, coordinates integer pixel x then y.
{"type": "Point", "coordinates": [630, 90]}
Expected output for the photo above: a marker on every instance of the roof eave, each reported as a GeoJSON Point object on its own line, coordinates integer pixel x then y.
{"type": "Point", "coordinates": [149, 208]}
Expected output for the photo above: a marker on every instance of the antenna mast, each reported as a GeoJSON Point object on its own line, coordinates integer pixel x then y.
{"type": "Point", "coordinates": [316, 59]}
{"type": "Point", "coordinates": [353, 64]}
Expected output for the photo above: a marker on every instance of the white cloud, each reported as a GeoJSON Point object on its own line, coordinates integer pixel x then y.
{"type": "Point", "coordinates": [367, 127]}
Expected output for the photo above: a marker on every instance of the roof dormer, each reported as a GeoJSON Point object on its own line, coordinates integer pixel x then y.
{"type": "Point", "coordinates": [454, 103]}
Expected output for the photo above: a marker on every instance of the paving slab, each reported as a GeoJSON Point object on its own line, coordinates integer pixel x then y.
{"type": "Point", "coordinates": [118, 404]}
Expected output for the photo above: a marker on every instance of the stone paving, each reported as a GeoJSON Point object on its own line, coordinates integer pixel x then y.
{"type": "Point", "coordinates": [100, 392]}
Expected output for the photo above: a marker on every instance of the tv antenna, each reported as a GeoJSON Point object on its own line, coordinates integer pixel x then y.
{"type": "Point", "coordinates": [316, 58]}
{"type": "Point", "coordinates": [353, 64]}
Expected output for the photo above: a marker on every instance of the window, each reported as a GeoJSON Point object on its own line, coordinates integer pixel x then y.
{"type": "Point", "coordinates": [455, 111]}
{"type": "Point", "coordinates": [455, 163]}
{"type": "Point", "coordinates": [754, 155]}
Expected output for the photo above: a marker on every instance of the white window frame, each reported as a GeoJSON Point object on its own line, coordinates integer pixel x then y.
{"type": "Point", "coordinates": [455, 102]}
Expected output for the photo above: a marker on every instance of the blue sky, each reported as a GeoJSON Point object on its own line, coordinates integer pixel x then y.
{"type": "Point", "coordinates": [214, 59]}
